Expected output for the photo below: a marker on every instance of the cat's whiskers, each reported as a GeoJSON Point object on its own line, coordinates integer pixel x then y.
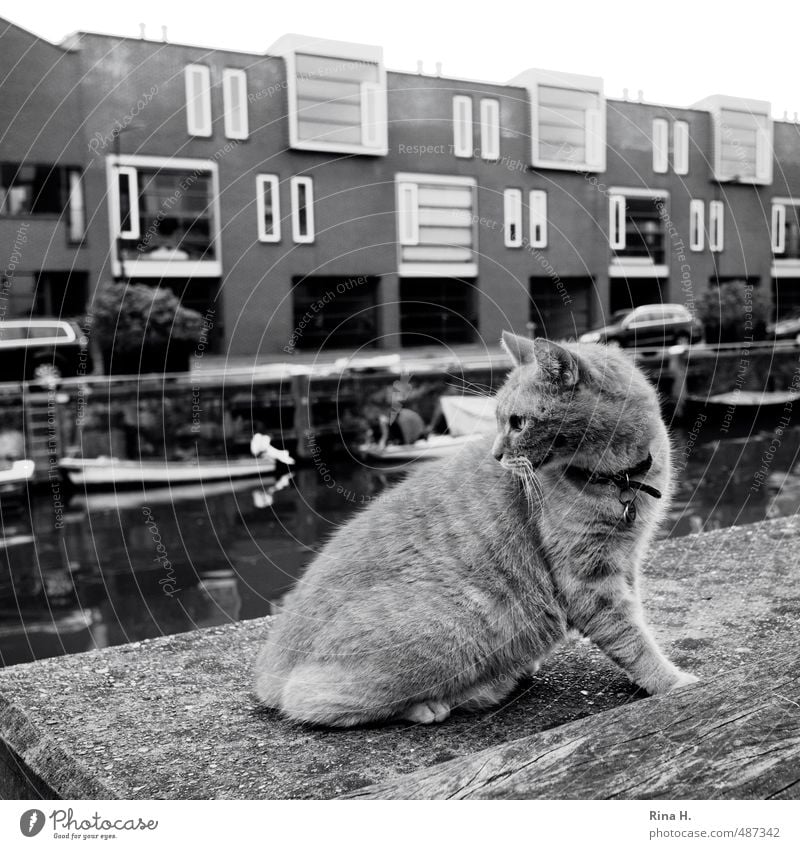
{"type": "Point", "coordinates": [534, 484]}
{"type": "Point", "coordinates": [531, 485]}
{"type": "Point", "coordinates": [472, 389]}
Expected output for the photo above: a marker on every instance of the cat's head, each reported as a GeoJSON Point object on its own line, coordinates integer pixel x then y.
{"type": "Point", "coordinates": [585, 405]}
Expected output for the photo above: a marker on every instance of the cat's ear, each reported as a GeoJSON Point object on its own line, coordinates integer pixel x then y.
{"type": "Point", "coordinates": [562, 365]}
{"type": "Point", "coordinates": [521, 350]}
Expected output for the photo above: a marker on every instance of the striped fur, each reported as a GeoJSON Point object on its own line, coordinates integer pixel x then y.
{"type": "Point", "coordinates": [464, 577]}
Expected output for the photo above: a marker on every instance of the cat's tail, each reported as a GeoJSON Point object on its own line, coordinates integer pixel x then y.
{"type": "Point", "coordinates": [326, 694]}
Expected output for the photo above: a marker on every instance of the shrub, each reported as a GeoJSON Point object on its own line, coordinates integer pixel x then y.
{"type": "Point", "coordinates": [734, 312]}
{"type": "Point", "coordinates": [142, 328]}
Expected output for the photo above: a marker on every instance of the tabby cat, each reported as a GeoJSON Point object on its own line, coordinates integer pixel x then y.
{"type": "Point", "coordinates": [460, 580]}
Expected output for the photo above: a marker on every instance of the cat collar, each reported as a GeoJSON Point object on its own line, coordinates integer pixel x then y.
{"type": "Point", "coordinates": [628, 489]}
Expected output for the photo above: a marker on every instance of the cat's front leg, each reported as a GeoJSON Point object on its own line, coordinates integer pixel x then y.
{"type": "Point", "coordinates": [612, 619]}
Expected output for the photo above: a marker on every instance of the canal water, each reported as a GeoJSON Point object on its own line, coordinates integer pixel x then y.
{"type": "Point", "coordinates": [104, 569]}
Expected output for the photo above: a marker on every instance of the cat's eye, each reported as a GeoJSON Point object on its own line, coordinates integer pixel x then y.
{"type": "Point", "coordinates": [516, 422]}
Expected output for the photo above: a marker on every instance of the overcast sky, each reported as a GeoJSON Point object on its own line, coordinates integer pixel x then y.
{"type": "Point", "coordinates": [676, 52]}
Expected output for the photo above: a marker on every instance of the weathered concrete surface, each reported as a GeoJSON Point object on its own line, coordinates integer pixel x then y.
{"type": "Point", "coordinates": [174, 717]}
{"type": "Point", "coordinates": [736, 736]}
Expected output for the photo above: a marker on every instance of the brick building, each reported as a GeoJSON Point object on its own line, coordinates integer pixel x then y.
{"type": "Point", "coordinates": [312, 198]}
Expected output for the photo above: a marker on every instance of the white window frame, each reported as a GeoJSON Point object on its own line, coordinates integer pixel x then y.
{"type": "Point", "coordinates": [273, 182]}
{"type": "Point", "coordinates": [778, 228]}
{"type": "Point", "coordinates": [490, 128]}
{"type": "Point", "coordinates": [595, 161]}
{"type": "Point", "coordinates": [462, 126]}
{"type": "Point", "coordinates": [660, 145]}
{"type": "Point", "coordinates": [438, 269]}
{"type": "Point", "coordinates": [616, 222]}
{"type": "Point", "coordinates": [622, 266]}
{"type": "Point", "coordinates": [235, 78]}
{"type": "Point", "coordinates": [194, 126]}
{"type": "Point", "coordinates": [288, 46]}
{"type": "Point", "coordinates": [373, 117]}
{"type": "Point", "coordinates": [171, 267]}
{"type": "Point", "coordinates": [512, 214]}
{"type": "Point", "coordinates": [131, 176]}
{"type": "Point", "coordinates": [697, 225]}
{"type": "Point", "coordinates": [77, 207]}
{"type": "Point", "coordinates": [408, 213]}
{"type": "Point", "coordinates": [537, 212]}
{"type": "Point", "coordinates": [717, 105]}
{"type": "Point", "coordinates": [716, 226]}
{"type": "Point", "coordinates": [295, 184]}
{"type": "Point", "coordinates": [680, 147]}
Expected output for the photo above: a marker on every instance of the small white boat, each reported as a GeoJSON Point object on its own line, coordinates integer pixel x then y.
{"type": "Point", "coordinates": [16, 475]}
{"type": "Point", "coordinates": [432, 448]}
{"type": "Point", "coordinates": [466, 414]}
{"type": "Point", "coordinates": [112, 471]}
{"type": "Point", "coordinates": [468, 418]}
{"type": "Point", "coordinates": [122, 499]}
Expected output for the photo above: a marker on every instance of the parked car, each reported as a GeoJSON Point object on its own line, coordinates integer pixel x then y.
{"type": "Point", "coordinates": [785, 328]}
{"type": "Point", "coordinates": [652, 325]}
{"type": "Point", "coordinates": [42, 349]}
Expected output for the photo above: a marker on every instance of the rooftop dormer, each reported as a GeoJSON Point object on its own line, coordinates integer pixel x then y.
{"type": "Point", "coordinates": [336, 94]}
{"type": "Point", "coordinates": [742, 139]}
{"type": "Point", "coordinates": [568, 120]}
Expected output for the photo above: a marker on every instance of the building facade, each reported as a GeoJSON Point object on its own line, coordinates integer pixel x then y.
{"type": "Point", "coordinates": [310, 199]}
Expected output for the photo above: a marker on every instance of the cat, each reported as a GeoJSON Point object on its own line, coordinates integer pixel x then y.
{"type": "Point", "coordinates": [460, 580]}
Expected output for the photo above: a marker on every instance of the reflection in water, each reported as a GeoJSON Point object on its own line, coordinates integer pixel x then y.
{"type": "Point", "coordinates": [126, 566]}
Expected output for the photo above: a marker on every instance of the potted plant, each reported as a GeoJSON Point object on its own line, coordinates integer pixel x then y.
{"type": "Point", "coordinates": [141, 329]}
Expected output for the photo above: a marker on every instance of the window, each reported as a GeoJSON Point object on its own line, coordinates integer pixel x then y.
{"type": "Point", "coordinates": [680, 147]}
{"type": "Point", "coordinates": [538, 211]}
{"type": "Point", "coordinates": [512, 216]}
{"type": "Point", "coordinates": [337, 95]}
{"type": "Point", "coordinates": [568, 128]}
{"type": "Point", "coordinates": [742, 139]}
{"type": "Point", "coordinates": [77, 211]}
{"type": "Point", "coordinates": [350, 320]}
{"type": "Point", "coordinates": [439, 310]}
{"type": "Point", "coordinates": [127, 202]}
{"type": "Point", "coordinates": [234, 96]}
{"type": "Point", "coordinates": [697, 214]}
{"type": "Point", "coordinates": [462, 126]}
{"type": "Point", "coordinates": [616, 222]}
{"type": "Point", "coordinates": [198, 100]}
{"type": "Point", "coordinates": [436, 226]}
{"type": "Point", "coordinates": [716, 225]}
{"type": "Point", "coordinates": [164, 212]}
{"type": "Point", "coordinates": [490, 129]}
{"type": "Point", "coordinates": [34, 189]}
{"type": "Point", "coordinates": [407, 214]}
{"type": "Point", "coordinates": [302, 190]}
{"type": "Point", "coordinates": [268, 208]}
{"type": "Point", "coordinates": [785, 229]}
{"type": "Point", "coordinates": [637, 229]}
{"type": "Point", "coordinates": [660, 145]}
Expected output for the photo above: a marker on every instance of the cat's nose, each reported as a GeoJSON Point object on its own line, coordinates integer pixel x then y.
{"type": "Point", "coordinates": [497, 448]}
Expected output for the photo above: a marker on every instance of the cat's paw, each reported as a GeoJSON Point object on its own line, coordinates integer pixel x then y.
{"type": "Point", "coordinates": [684, 679]}
{"type": "Point", "coordinates": [530, 669]}
{"type": "Point", "coordinates": [426, 713]}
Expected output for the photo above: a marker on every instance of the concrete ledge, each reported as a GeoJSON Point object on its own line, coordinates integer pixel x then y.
{"type": "Point", "coordinates": [174, 717]}
{"type": "Point", "coordinates": [735, 737]}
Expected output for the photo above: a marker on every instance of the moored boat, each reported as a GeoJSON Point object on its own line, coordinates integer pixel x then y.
{"type": "Point", "coordinates": [468, 418]}
{"type": "Point", "coordinates": [113, 471]}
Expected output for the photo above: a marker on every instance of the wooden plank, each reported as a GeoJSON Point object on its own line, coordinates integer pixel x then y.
{"type": "Point", "coordinates": [736, 737]}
